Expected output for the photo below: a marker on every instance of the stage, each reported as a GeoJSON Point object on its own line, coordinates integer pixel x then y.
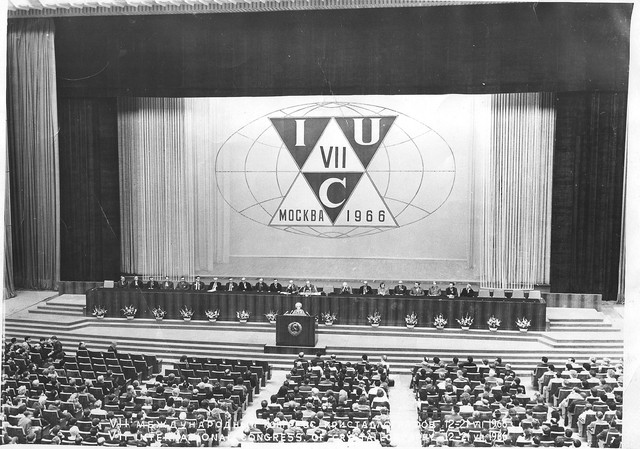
{"type": "Point", "coordinates": [570, 332]}
{"type": "Point", "coordinates": [350, 309]}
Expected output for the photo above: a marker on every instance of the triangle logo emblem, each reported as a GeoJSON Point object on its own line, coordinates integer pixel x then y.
{"type": "Point", "coordinates": [333, 190]}
{"type": "Point", "coordinates": [300, 135]}
{"type": "Point", "coordinates": [365, 134]}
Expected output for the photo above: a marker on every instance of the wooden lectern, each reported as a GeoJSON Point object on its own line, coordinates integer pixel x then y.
{"type": "Point", "coordinates": [296, 330]}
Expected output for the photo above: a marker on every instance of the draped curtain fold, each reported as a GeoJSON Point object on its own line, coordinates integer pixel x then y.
{"type": "Point", "coordinates": [33, 153]}
{"type": "Point", "coordinates": [517, 191]}
{"type": "Point", "coordinates": [588, 191]}
{"type": "Point", "coordinates": [168, 196]}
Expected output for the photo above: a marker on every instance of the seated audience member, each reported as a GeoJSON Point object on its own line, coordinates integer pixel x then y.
{"type": "Point", "coordinates": [308, 288]}
{"type": "Point", "coordinates": [261, 286]}
{"type": "Point", "coordinates": [215, 286]}
{"type": "Point", "coordinates": [167, 284]}
{"type": "Point", "coordinates": [136, 283]}
{"type": "Point", "coordinates": [275, 287]}
{"type": "Point", "coordinates": [467, 292]}
{"type": "Point", "coordinates": [122, 283]}
{"type": "Point", "coordinates": [183, 284]}
{"type": "Point", "coordinates": [365, 289]}
{"type": "Point", "coordinates": [244, 286]}
{"type": "Point", "coordinates": [345, 289]}
{"type": "Point", "coordinates": [400, 289]}
{"type": "Point", "coordinates": [382, 289]}
{"type": "Point", "coordinates": [434, 290]}
{"type": "Point", "coordinates": [231, 286]}
{"type": "Point", "coordinates": [451, 291]}
{"type": "Point", "coordinates": [152, 284]}
{"type": "Point", "coordinates": [416, 290]}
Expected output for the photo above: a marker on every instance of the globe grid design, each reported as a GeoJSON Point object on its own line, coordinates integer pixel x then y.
{"type": "Point", "coordinates": [404, 210]}
{"type": "Point", "coordinates": [294, 328]}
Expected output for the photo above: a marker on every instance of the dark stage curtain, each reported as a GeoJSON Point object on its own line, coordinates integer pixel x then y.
{"type": "Point", "coordinates": [32, 124]}
{"type": "Point", "coordinates": [588, 176]}
{"type": "Point", "coordinates": [89, 194]}
{"type": "Point", "coordinates": [526, 47]}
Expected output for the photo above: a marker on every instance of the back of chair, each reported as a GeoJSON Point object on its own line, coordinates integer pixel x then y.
{"type": "Point", "coordinates": [534, 294]}
{"type": "Point", "coordinates": [498, 293]}
{"type": "Point", "coordinates": [483, 293]}
{"type": "Point", "coordinates": [518, 294]}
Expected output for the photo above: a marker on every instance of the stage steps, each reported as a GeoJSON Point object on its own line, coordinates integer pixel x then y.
{"type": "Point", "coordinates": [579, 333]}
{"type": "Point", "coordinates": [170, 349]}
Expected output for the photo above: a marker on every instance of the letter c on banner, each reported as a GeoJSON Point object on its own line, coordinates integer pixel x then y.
{"type": "Point", "coordinates": [324, 187]}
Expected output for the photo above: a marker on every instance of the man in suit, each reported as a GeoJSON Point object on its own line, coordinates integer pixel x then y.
{"type": "Point", "coordinates": [416, 290]}
{"type": "Point", "coordinates": [136, 283]}
{"type": "Point", "coordinates": [215, 286]}
{"type": "Point", "coordinates": [451, 291]}
{"type": "Point", "coordinates": [366, 288]}
{"type": "Point", "coordinates": [152, 284]}
{"type": "Point", "coordinates": [292, 288]}
{"type": "Point", "coordinates": [231, 286]}
{"type": "Point", "coordinates": [400, 289]}
{"type": "Point", "coordinates": [244, 285]}
{"type": "Point", "coordinates": [167, 284]}
{"type": "Point", "coordinates": [198, 285]}
{"type": "Point", "coordinates": [122, 283]}
{"type": "Point", "coordinates": [275, 287]}
{"type": "Point", "coordinates": [183, 285]}
{"type": "Point", "coordinates": [434, 290]}
{"type": "Point", "coordinates": [345, 290]}
{"type": "Point", "coordinates": [308, 288]}
{"type": "Point", "coordinates": [467, 292]}
{"type": "Point", "coordinates": [261, 286]}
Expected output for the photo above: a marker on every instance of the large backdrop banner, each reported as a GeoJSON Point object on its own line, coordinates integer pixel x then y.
{"type": "Point", "coordinates": [357, 187]}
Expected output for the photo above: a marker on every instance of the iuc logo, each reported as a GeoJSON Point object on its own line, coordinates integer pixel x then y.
{"type": "Point", "coordinates": [335, 170]}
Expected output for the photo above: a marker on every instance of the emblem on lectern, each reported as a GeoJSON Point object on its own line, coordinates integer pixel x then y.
{"type": "Point", "coordinates": [294, 328]}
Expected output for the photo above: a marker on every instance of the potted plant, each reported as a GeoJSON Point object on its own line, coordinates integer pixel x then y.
{"type": "Point", "coordinates": [523, 324]}
{"type": "Point", "coordinates": [271, 316]}
{"type": "Point", "coordinates": [411, 320]}
{"type": "Point", "coordinates": [439, 321]}
{"type": "Point", "coordinates": [129, 312]}
{"type": "Point", "coordinates": [242, 315]}
{"type": "Point", "coordinates": [465, 322]}
{"type": "Point", "coordinates": [99, 312]}
{"type": "Point", "coordinates": [212, 315]}
{"type": "Point", "coordinates": [374, 320]}
{"type": "Point", "coordinates": [159, 313]}
{"type": "Point", "coordinates": [186, 313]}
{"type": "Point", "coordinates": [328, 318]}
{"type": "Point", "coordinates": [493, 323]}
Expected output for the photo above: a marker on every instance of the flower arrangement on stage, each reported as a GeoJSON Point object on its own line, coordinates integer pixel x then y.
{"type": "Point", "coordinates": [99, 312]}
{"type": "Point", "coordinates": [186, 313]}
{"type": "Point", "coordinates": [159, 312]}
{"type": "Point", "coordinates": [212, 315]}
{"type": "Point", "coordinates": [129, 311]}
{"type": "Point", "coordinates": [523, 324]}
{"type": "Point", "coordinates": [271, 316]}
{"type": "Point", "coordinates": [411, 319]}
{"type": "Point", "coordinates": [328, 318]}
{"type": "Point", "coordinates": [493, 323]}
{"type": "Point", "coordinates": [439, 321]}
{"type": "Point", "coordinates": [465, 321]}
{"type": "Point", "coordinates": [374, 319]}
{"type": "Point", "coordinates": [242, 315]}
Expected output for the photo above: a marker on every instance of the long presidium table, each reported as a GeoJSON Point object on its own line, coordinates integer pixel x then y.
{"type": "Point", "coordinates": [352, 309]}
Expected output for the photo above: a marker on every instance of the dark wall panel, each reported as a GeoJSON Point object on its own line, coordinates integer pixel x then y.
{"type": "Point", "coordinates": [452, 49]}
{"type": "Point", "coordinates": [587, 205]}
{"type": "Point", "coordinates": [89, 189]}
